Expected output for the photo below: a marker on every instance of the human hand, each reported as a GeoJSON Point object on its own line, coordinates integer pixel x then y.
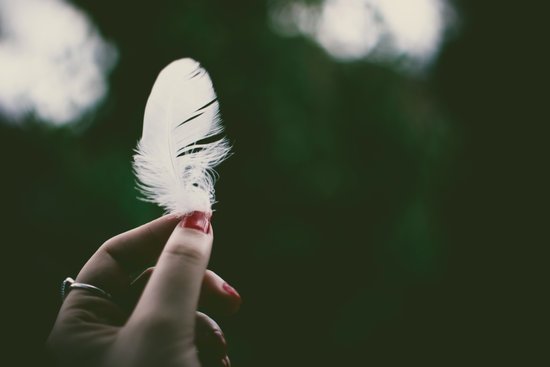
{"type": "Point", "coordinates": [152, 319]}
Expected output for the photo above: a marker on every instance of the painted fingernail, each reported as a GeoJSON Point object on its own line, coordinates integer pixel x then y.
{"type": "Point", "coordinates": [229, 289]}
{"type": "Point", "coordinates": [197, 220]}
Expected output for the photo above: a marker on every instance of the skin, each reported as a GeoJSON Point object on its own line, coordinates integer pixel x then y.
{"type": "Point", "coordinates": [153, 318]}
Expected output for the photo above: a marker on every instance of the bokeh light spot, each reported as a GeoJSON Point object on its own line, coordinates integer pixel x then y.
{"type": "Point", "coordinates": [53, 61]}
{"type": "Point", "coordinates": [382, 30]}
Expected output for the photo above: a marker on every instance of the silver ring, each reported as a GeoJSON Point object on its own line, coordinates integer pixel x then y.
{"type": "Point", "coordinates": [69, 284]}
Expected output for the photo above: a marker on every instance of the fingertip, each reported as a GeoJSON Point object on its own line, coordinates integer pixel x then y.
{"type": "Point", "coordinates": [218, 296]}
{"type": "Point", "coordinates": [231, 291]}
{"type": "Point", "coordinates": [234, 299]}
{"type": "Point", "coordinates": [197, 220]}
{"type": "Point", "coordinates": [234, 305]}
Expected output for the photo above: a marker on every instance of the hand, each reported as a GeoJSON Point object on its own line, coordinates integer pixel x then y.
{"type": "Point", "coordinates": [152, 320]}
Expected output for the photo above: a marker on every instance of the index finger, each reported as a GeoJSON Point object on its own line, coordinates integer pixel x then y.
{"type": "Point", "coordinates": [112, 265]}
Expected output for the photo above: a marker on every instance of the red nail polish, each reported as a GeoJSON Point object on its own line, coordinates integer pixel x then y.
{"type": "Point", "coordinates": [197, 220]}
{"type": "Point", "coordinates": [229, 289]}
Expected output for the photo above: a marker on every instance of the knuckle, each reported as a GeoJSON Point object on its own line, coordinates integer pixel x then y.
{"type": "Point", "coordinates": [111, 242]}
{"type": "Point", "coordinates": [187, 253]}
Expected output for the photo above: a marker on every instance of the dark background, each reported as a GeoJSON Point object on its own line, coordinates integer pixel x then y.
{"type": "Point", "coordinates": [368, 217]}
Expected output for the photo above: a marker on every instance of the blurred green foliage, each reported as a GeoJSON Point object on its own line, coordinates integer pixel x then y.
{"type": "Point", "coordinates": [335, 214]}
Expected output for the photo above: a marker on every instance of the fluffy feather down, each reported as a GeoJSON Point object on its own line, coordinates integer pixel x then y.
{"type": "Point", "coordinates": [178, 151]}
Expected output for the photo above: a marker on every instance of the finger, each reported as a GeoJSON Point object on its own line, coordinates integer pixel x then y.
{"type": "Point", "coordinates": [209, 338]}
{"type": "Point", "coordinates": [172, 293]}
{"type": "Point", "coordinates": [109, 270]}
{"type": "Point", "coordinates": [111, 266]}
{"type": "Point", "coordinates": [217, 297]}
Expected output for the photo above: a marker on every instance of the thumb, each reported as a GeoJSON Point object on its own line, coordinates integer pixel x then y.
{"type": "Point", "coordinates": [172, 294]}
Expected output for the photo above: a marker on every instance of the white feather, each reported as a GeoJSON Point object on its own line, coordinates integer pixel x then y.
{"type": "Point", "coordinates": [173, 166]}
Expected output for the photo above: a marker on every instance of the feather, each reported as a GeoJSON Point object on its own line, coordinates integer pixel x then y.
{"type": "Point", "coordinates": [181, 143]}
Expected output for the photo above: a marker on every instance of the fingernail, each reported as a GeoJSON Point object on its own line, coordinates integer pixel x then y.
{"type": "Point", "coordinates": [197, 220]}
{"type": "Point", "coordinates": [229, 289]}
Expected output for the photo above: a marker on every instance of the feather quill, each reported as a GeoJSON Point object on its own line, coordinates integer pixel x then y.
{"type": "Point", "coordinates": [181, 143]}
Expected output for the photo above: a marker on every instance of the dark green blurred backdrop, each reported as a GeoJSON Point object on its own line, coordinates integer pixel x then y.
{"type": "Point", "coordinates": [368, 217]}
